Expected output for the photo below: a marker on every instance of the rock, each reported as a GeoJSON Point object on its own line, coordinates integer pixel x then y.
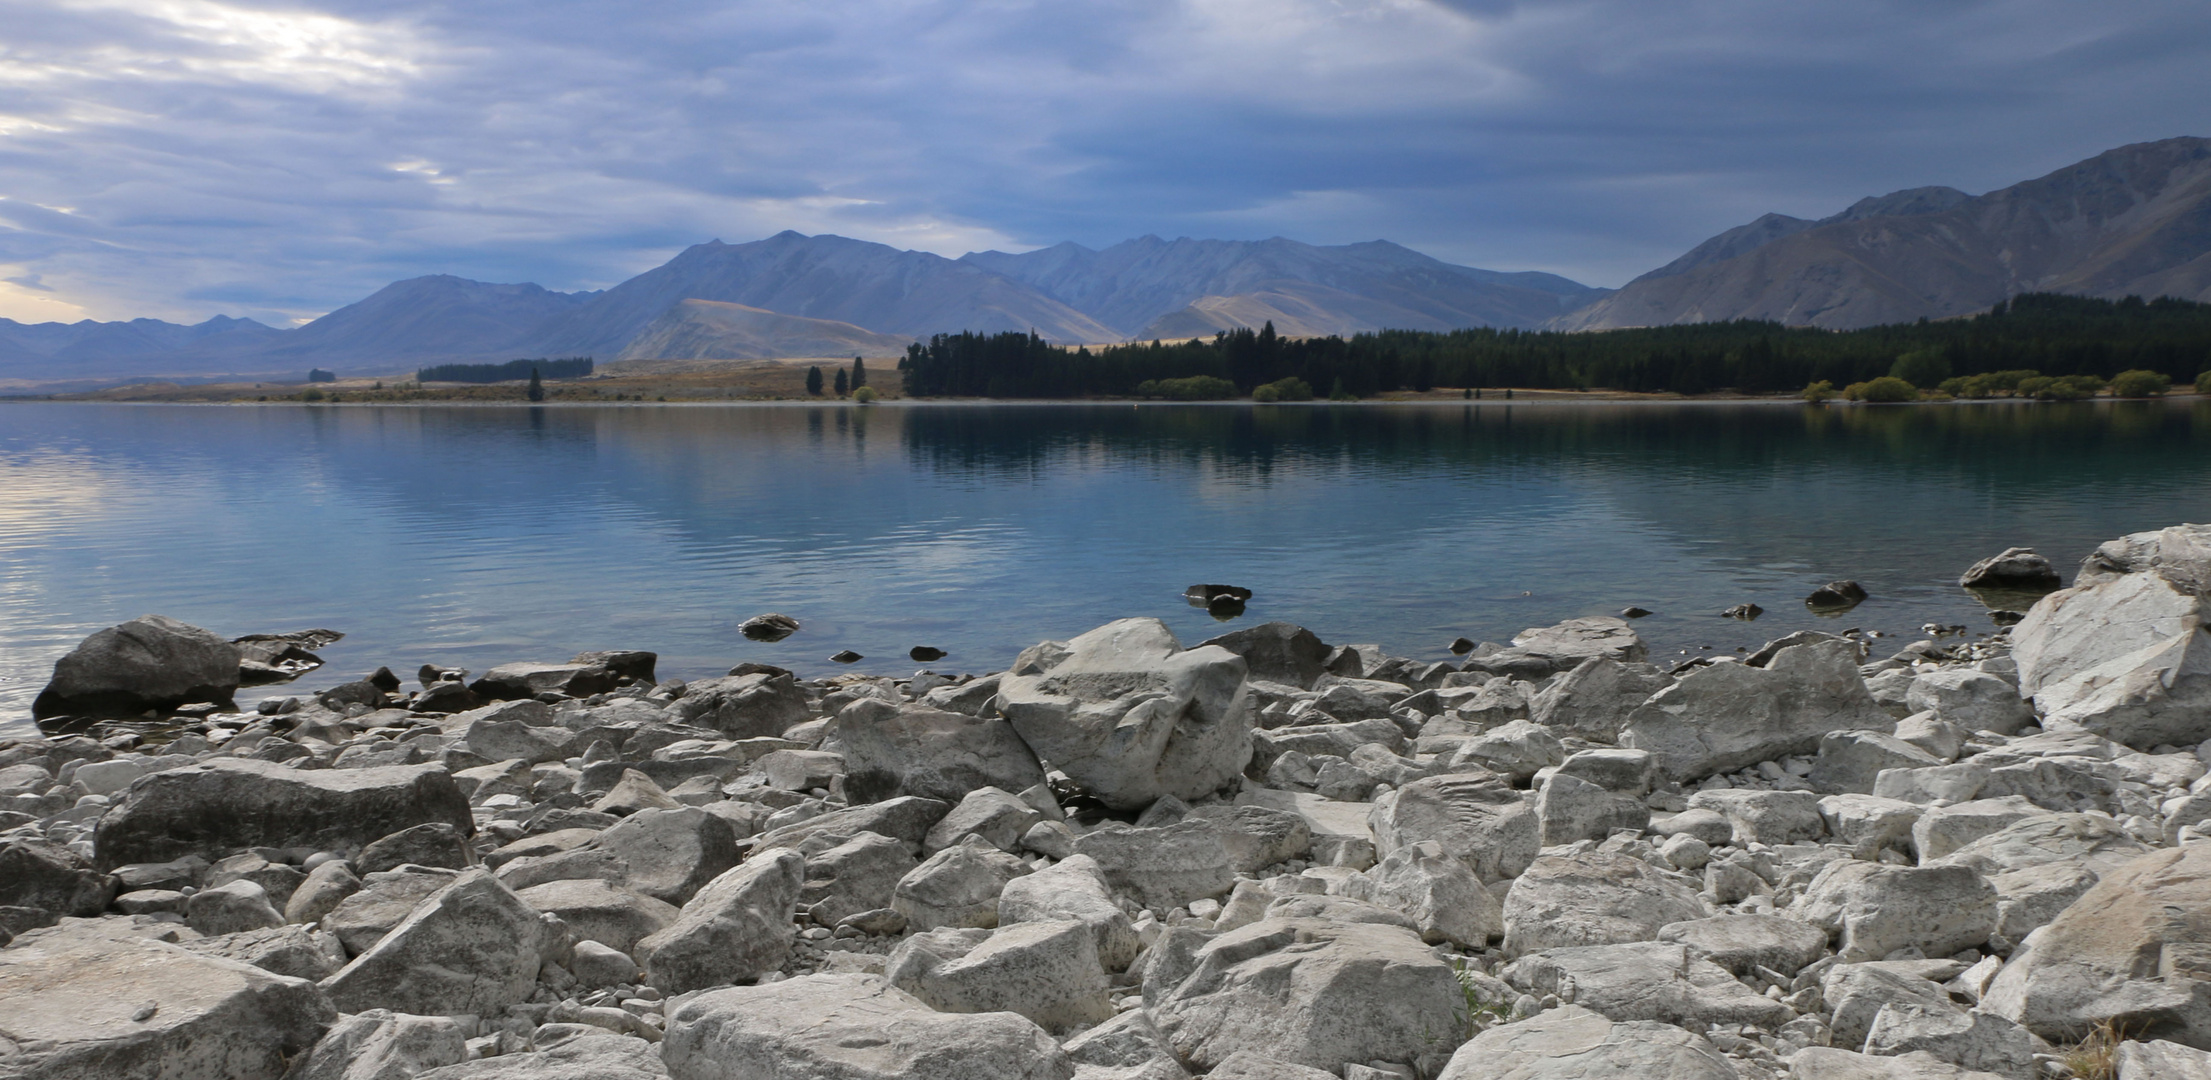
{"type": "Point", "coordinates": [1314, 993]}
{"type": "Point", "coordinates": [509, 740]}
{"type": "Point", "coordinates": [471, 947]}
{"type": "Point", "coordinates": [1570, 808]}
{"type": "Point", "coordinates": [770, 627]}
{"type": "Point", "coordinates": [1826, 1063]}
{"type": "Point", "coordinates": [907, 819]}
{"type": "Point", "coordinates": [860, 874]}
{"type": "Point", "coordinates": [233, 803]}
{"type": "Point", "coordinates": [1538, 652]}
{"type": "Point", "coordinates": [240, 905]}
{"type": "Point", "coordinates": [1944, 829]}
{"type": "Point", "coordinates": [1646, 980]}
{"type": "Point", "coordinates": [2015, 568]}
{"type": "Point", "coordinates": [433, 843]}
{"type": "Point", "coordinates": [1338, 830]}
{"type": "Point", "coordinates": [744, 706]}
{"type": "Point", "coordinates": [1878, 909]}
{"type": "Point", "coordinates": [2125, 652]}
{"type": "Point", "coordinates": [577, 1052]}
{"type": "Point", "coordinates": [1726, 716]}
{"type": "Point", "coordinates": [2130, 951]}
{"type": "Point", "coordinates": [846, 656]}
{"type": "Point", "coordinates": [1165, 867]}
{"type": "Point", "coordinates": [957, 887]}
{"type": "Point", "coordinates": [595, 965]}
{"type": "Point", "coordinates": [892, 750]}
{"type": "Point", "coordinates": [635, 791]}
{"type": "Point", "coordinates": [1869, 823]}
{"type": "Point", "coordinates": [636, 664]}
{"type": "Point", "coordinates": [601, 911]}
{"type": "Point", "coordinates": [1047, 971]}
{"type": "Point", "coordinates": [1836, 596]}
{"type": "Point", "coordinates": [1256, 836]}
{"type": "Point", "coordinates": [1476, 817]}
{"type": "Point", "coordinates": [85, 1000]}
{"type": "Point", "coordinates": [1517, 750]}
{"type": "Point", "coordinates": [1444, 900]}
{"type": "Point", "coordinates": [383, 1045]}
{"type": "Point", "coordinates": [1130, 715]}
{"type": "Point", "coordinates": [849, 1027]}
{"type": "Point", "coordinates": [1626, 772]}
{"type": "Point", "coordinates": [283, 950]}
{"type": "Point", "coordinates": [1971, 1040]}
{"type": "Point", "coordinates": [1573, 1043]}
{"type": "Point", "coordinates": [150, 662]}
{"type": "Point", "coordinates": [1593, 899]}
{"type": "Point", "coordinates": [997, 816]}
{"type": "Point", "coordinates": [381, 902]}
{"type": "Point", "coordinates": [670, 854]}
{"type": "Point", "coordinates": [1744, 943]}
{"type": "Point", "coordinates": [1851, 761]}
{"type": "Point", "coordinates": [1954, 783]}
{"type": "Point", "coordinates": [1253, 1065]}
{"type": "Point", "coordinates": [2028, 899]}
{"type": "Point", "coordinates": [1127, 1047]}
{"type": "Point", "coordinates": [1855, 994]}
{"type": "Point", "coordinates": [1765, 817]}
{"type": "Point", "coordinates": [1277, 652]}
{"type": "Point", "coordinates": [2160, 1060]}
{"type": "Point", "coordinates": [1973, 700]}
{"type": "Point", "coordinates": [2090, 841]}
{"type": "Point", "coordinates": [510, 681]}
{"type": "Point", "coordinates": [1074, 888]}
{"type": "Point", "coordinates": [48, 877]}
{"type": "Point", "coordinates": [736, 929]}
{"type": "Point", "coordinates": [1745, 612]}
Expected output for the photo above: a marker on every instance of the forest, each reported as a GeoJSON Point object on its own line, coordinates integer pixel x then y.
{"type": "Point", "coordinates": [2044, 333]}
{"type": "Point", "coordinates": [574, 367]}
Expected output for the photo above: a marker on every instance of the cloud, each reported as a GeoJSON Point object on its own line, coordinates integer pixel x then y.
{"type": "Point", "coordinates": [183, 158]}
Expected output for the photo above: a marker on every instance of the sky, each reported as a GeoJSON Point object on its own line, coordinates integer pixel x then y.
{"type": "Point", "coordinates": [187, 158]}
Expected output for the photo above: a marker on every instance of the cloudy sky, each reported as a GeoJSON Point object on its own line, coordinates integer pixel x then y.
{"type": "Point", "coordinates": [186, 158]}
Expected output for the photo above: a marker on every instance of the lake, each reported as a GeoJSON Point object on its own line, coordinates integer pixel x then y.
{"type": "Point", "coordinates": [473, 536]}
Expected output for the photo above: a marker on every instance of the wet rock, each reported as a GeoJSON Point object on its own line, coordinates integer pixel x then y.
{"type": "Point", "coordinates": [151, 662]}
{"type": "Point", "coordinates": [1726, 716]}
{"type": "Point", "coordinates": [1047, 971]}
{"type": "Point", "coordinates": [926, 654]}
{"type": "Point", "coordinates": [849, 1027]}
{"type": "Point", "coordinates": [1593, 899]}
{"type": "Point", "coordinates": [86, 1000]}
{"type": "Point", "coordinates": [770, 627]}
{"type": "Point", "coordinates": [233, 803]}
{"type": "Point", "coordinates": [383, 1045]}
{"type": "Point", "coordinates": [1130, 715]}
{"type": "Point", "coordinates": [1572, 1043]}
{"type": "Point", "coordinates": [2013, 568]}
{"type": "Point", "coordinates": [846, 656]}
{"type": "Point", "coordinates": [1475, 817]}
{"type": "Point", "coordinates": [471, 947]}
{"type": "Point", "coordinates": [1745, 612]}
{"type": "Point", "coordinates": [1836, 596]}
{"type": "Point", "coordinates": [737, 928]}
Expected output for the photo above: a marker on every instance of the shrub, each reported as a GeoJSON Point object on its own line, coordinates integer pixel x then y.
{"type": "Point", "coordinates": [310, 394]}
{"type": "Point", "coordinates": [1194, 388]}
{"type": "Point", "coordinates": [2203, 381]}
{"type": "Point", "coordinates": [1819, 391]}
{"type": "Point", "coordinates": [1290, 389]}
{"type": "Point", "coordinates": [1887, 388]}
{"type": "Point", "coordinates": [2139, 383]}
{"type": "Point", "coordinates": [1922, 367]}
{"type": "Point", "coordinates": [1338, 393]}
{"type": "Point", "coordinates": [2007, 382]}
{"type": "Point", "coordinates": [864, 395]}
{"type": "Point", "coordinates": [1265, 394]}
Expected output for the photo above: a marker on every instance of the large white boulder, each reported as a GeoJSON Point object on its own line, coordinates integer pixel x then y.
{"type": "Point", "coordinates": [1876, 909]}
{"type": "Point", "coordinates": [1047, 971]}
{"type": "Point", "coordinates": [849, 1027]}
{"type": "Point", "coordinates": [1131, 715]}
{"type": "Point", "coordinates": [1476, 817]}
{"type": "Point", "coordinates": [1073, 888]}
{"type": "Point", "coordinates": [1726, 716]}
{"type": "Point", "coordinates": [913, 749]}
{"type": "Point", "coordinates": [1574, 1043]}
{"type": "Point", "coordinates": [470, 947]}
{"type": "Point", "coordinates": [737, 928]}
{"type": "Point", "coordinates": [1593, 899]}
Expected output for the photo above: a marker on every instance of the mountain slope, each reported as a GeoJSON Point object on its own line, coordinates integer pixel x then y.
{"type": "Point", "coordinates": [88, 349]}
{"type": "Point", "coordinates": [880, 288]}
{"type": "Point", "coordinates": [714, 330]}
{"type": "Point", "coordinates": [2135, 220]}
{"type": "Point", "coordinates": [424, 319]}
{"type": "Point", "coordinates": [1131, 284]}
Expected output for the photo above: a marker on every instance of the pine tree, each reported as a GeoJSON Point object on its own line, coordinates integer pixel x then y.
{"type": "Point", "coordinates": [859, 373]}
{"type": "Point", "coordinates": [537, 387]}
{"type": "Point", "coordinates": [843, 387]}
{"type": "Point", "coordinates": [813, 381]}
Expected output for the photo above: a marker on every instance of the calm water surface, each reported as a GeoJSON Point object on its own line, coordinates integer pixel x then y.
{"type": "Point", "coordinates": [473, 536]}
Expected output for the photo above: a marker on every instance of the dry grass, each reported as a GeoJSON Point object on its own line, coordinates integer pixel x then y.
{"type": "Point", "coordinates": [728, 380]}
{"type": "Point", "coordinates": [2097, 1056]}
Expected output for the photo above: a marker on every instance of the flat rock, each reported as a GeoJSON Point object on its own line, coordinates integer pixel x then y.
{"type": "Point", "coordinates": [601, 911]}
{"type": "Point", "coordinates": [849, 1027]}
{"type": "Point", "coordinates": [1646, 981]}
{"type": "Point", "coordinates": [912, 749]}
{"type": "Point", "coordinates": [1476, 817]}
{"type": "Point", "coordinates": [1574, 1043]}
{"type": "Point", "coordinates": [1047, 971]}
{"type": "Point", "coordinates": [1727, 716]}
{"type": "Point", "coordinates": [234, 803]}
{"type": "Point", "coordinates": [383, 1045]}
{"type": "Point", "coordinates": [1744, 943]}
{"type": "Point", "coordinates": [1593, 899]}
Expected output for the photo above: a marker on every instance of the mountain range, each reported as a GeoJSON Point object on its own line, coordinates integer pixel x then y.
{"type": "Point", "coordinates": [2135, 220]}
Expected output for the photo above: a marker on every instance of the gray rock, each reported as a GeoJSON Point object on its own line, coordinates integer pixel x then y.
{"type": "Point", "coordinates": [1850, 761]}
{"type": "Point", "coordinates": [995, 815]}
{"type": "Point", "coordinates": [957, 887]}
{"type": "Point", "coordinates": [1569, 808]}
{"type": "Point", "coordinates": [735, 929]}
{"type": "Point", "coordinates": [150, 662]}
{"type": "Point", "coordinates": [1625, 772]}
{"type": "Point", "coordinates": [907, 819]}
{"type": "Point", "coordinates": [1047, 971]}
{"type": "Point", "coordinates": [1744, 943]}
{"type": "Point", "coordinates": [1165, 867]}
{"type": "Point", "coordinates": [434, 843]}
{"type": "Point", "coordinates": [1127, 1047]}
{"type": "Point", "coordinates": [744, 706]}
{"type": "Point", "coordinates": [1870, 823]}
{"type": "Point", "coordinates": [849, 1027]}
{"type": "Point", "coordinates": [1257, 836]}
{"type": "Point", "coordinates": [1074, 888]}
{"type": "Point", "coordinates": [1476, 817]}
{"type": "Point", "coordinates": [470, 947]}
{"type": "Point", "coordinates": [1253, 1065]}
{"type": "Point", "coordinates": [1941, 830]}
{"type": "Point", "coordinates": [1855, 994]}
{"type": "Point", "coordinates": [512, 740]}
{"type": "Point", "coordinates": [278, 879]}
{"type": "Point", "coordinates": [1645, 980]}
{"type": "Point", "coordinates": [528, 680]}
{"type": "Point", "coordinates": [48, 877]}
{"type": "Point", "coordinates": [1973, 700]}
{"type": "Point", "coordinates": [1826, 1063]}
{"type": "Point", "coordinates": [284, 950]}
{"type": "Point", "coordinates": [2095, 843]}
{"type": "Point", "coordinates": [1517, 750]}
{"type": "Point", "coordinates": [2161, 1060]}
{"type": "Point", "coordinates": [1765, 817]}
{"type": "Point", "coordinates": [1954, 783]}
{"type": "Point", "coordinates": [2013, 568]}
{"type": "Point", "coordinates": [1444, 900]}
{"type": "Point", "coordinates": [860, 874]}
{"type": "Point", "coordinates": [1573, 1043]}
{"type": "Point", "coordinates": [595, 965]}
{"type": "Point", "coordinates": [232, 803]}
{"type": "Point", "coordinates": [1726, 716]}
{"type": "Point", "coordinates": [2030, 898]}
{"type": "Point", "coordinates": [1315, 993]}
{"type": "Point", "coordinates": [383, 1045]}
{"type": "Point", "coordinates": [1877, 909]}
{"type": "Point", "coordinates": [1593, 899]}
{"type": "Point", "coordinates": [1595, 699]}
{"type": "Point", "coordinates": [905, 749]}
{"type": "Point", "coordinates": [589, 1053]}
{"type": "Point", "coordinates": [227, 909]}
{"type": "Point", "coordinates": [89, 1001]}
{"type": "Point", "coordinates": [1277, 652]}
{"type": "Point", "coordinates": [2125, 653]}
{"type": "Point", "coordinates": [1541, 651]}
{"type": "Point", "coordinates": [1971, 1040]}
{"type": "Point", "coordinates": [669, 854]}
{"type": "Point", "coordinates": [601, 911]}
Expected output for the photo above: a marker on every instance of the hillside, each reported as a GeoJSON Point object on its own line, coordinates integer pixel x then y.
{"type": "Point", "coordinates": [714, 330]}
{"type": "Point", "coordinates": [2133, 221]}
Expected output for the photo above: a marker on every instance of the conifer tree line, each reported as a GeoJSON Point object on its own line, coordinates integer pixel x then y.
{"type": "Point", "coordinates": [2053, 335]}
{"type": "Point", "coordinates": [574, 367]}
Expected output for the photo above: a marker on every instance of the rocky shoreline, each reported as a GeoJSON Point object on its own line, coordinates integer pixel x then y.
{"type": "Point", "coordinates": [1256, 858]}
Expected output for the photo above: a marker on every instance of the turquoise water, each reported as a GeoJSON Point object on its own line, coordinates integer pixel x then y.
{"type": "Point", "coordinates": [472, 536]}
